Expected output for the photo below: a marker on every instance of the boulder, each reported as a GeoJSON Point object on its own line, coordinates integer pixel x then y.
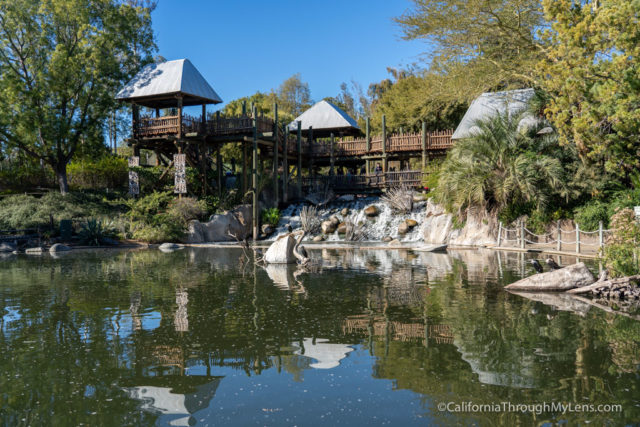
{"type": "Point", "coordinates": [7, 247]}
{"type": "Point", "coordinates": [34, 251]}
{"type": "Point", "coordinates": [573, 276]}
{"type": "Point", "coordinates": [334, 220]}
{"type": "Point", "coordinates": [328, 227]}
{"type": "Point", "coordinates": [221, 227]}
{"type": "Point", "coordinates": [344, 211]}
{"type": "Point", "coordinates": [170, 247]}
{"type": "Point", "coordinates": [267, 229]}
{"type": "Point", "coordinates": [411, 222]}
{"type": "Point", "coordinates": [318, 238]}
{"type": "Point", "coordinates": [403, 228]}
{"type": "Point", "coordinates": [59, 247]}
{"type": "Point", "coordinates": [342, 228]}
{"type": "Point", "coordinates": [387, 239]}
{"type": "Point", "coordinates": [371, 211]}
{"type": "Point", "coordinates": [395, 242]}
{"type": "Point", "coordinates": [281, 251]}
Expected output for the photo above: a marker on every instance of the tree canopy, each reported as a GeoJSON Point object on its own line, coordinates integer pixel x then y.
{"type": "Point", "coordinates": [61, 61]}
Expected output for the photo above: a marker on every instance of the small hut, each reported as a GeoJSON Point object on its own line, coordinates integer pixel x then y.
{"type": "Point", "coordinates": [325, 118]}
{"type": "Point", "coordinates": [492, 104]}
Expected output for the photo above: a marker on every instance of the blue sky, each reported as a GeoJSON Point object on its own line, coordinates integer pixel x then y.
{"type": "Point", "coordinates": [244, 47]}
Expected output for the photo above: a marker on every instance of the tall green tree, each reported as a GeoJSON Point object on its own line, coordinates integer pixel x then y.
{"type": "Point", "coordinates": [592, 72]}
{"type": "Point", "coordinates": [61, 62]}
{"type": "Point", "coordinates": [481, 44]}
{"type": "Point", "coordinates": [294, 95]}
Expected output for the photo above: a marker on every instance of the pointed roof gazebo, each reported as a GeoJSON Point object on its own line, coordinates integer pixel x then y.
{"type": "Point", "coordinates": [159, 86]}
{"type": "Point", "coordinates": [325, 118]}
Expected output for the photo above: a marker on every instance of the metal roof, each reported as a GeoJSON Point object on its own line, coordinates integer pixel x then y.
{"type": "Point", "coordinates": [492, 104]}
{"type": "Point", "coordinates": [159, 83]}
{"type": "Point", "coordinates": [324, 116]}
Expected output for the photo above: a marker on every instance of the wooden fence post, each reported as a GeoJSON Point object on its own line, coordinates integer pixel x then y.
{"type": "Point", "coordinates": [577, 238]}
{"type": "Point", "coordinates": [285, 164]}
{"type": "Point", "coordinates": [600, 235]}
{"type": "Point", "coordinates": [522, 242]}
{"type": "Point", "coordinates": [424, 146]}
{"type": "Point", "coordinates": [333, 156]}
{"type": "Point", "coordinates": [254, 174]}
{"type": "Point", "coordinates": [384, 143]}
{"type": "Point", "coordinates": [559, 237]}
{"type": "Point", "coordinates": [368, 142]}
{"type": "Point", "coordinates": [276, 146]}
{"type": "Point", "coordinates": [499, 233]}
{"type": "Point", "coordinates": [299, 136]}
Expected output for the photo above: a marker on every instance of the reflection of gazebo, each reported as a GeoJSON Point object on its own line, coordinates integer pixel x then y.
{"type": "Point", "coordinates": [175, 395]}
{"type": "Point", "coordinates": [326, 354]}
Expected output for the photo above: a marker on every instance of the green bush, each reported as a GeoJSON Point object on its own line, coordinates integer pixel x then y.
{"type": "Point", "coordinates": [23, 211]}
{"type": "Point", "coordinates": [94, 232]}
{"type": "Point", "coordinates": [26, 176]}
{"type": "Point", "coordinates": [186, 209]}
{"type": "Point", "coordinates": [106, 172]}
{"type": "Point", "coordinates": [621, 250]}
{"type": "Point", "coordinates": [589, 215]}
{"type": "Point", "coordinates": [271, 216]}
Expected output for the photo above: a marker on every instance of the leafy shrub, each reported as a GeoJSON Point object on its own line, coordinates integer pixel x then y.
{"type": "Point", "coordinates": [23, 211]}
{"type": "Point", "coordinates": [186, 209]}
{"type": "Point", "coordinates": [25, 176]}
{"type": "Point", "coordinates": [94, 232]}
{"type": "Point", "coordinates": [106, 172]}
{"type": "Point", "coordinates": [271, 216]}
{"type": "Point", "coordinates": [621, 250]}
{"type": "Point", "coordinates": [589, 215]}
{"type": "Point", "coordinates": [538, 220]}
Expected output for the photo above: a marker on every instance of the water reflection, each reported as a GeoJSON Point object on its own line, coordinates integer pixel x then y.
{"type": "Point", "coordinates": [158, 337]}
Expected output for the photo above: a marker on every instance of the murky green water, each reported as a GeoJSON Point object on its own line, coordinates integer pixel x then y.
{"type": "Point", "coordinates": [366, 338]}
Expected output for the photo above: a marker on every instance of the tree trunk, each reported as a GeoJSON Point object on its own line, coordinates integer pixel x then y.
{"type": "Point", "coordinates": [61, 175]}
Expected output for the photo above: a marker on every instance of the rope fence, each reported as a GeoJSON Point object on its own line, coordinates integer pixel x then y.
{"type": "Point", "coordinates": [522, 236]}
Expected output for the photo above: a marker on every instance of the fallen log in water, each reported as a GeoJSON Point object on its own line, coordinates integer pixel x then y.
{"type": "Point", "coordinates": [619, 288]}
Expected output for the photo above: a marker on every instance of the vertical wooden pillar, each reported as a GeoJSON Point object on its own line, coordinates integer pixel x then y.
{"type": "Point", "coordinates": [333, 155]}
{"type": "Point", "coordinates": [424, 145]}
{"type": "Point", "coordinates": [276, 147]}
{"type": "Point", "coordinates": [600, 235]}
{"type": "Point", "coordinates": [285, 164]}
{"type": "Point", "coordinates": [135, 118]}
{"type": "Point", "coordinates": [310, 141]}
{"type": "Point", "coordinates": [219, 169]}
{"type": "Point", "coordinates": [203, 167]}
{"type": "Point", "coordinates": [368, 139]}
{"type": "Point", "coordinates": [499, 233]}
{"type": "Point", "coordinates": [203, 120]}
{"type": "Point", "coordinates": [245, 175]}
{"type": "Point", "coordinates": [157, 113]}
{"type": "Point", "coordinates": [559, 236]}
{"type": "Point", "coordinates": [179, 118]}
{"type": "Point", "coordinates": [254, 175]}
{"type": "Point", "coordinates": [244, 108]}
{"type": "Point", "coordinates": [299, 141]}
{"type": "Point", "coordinates": [577, 238]}
{"type": "Point", "coordinates": [522, 242]}
{"type": "Point", "coordinates": [384, 144]}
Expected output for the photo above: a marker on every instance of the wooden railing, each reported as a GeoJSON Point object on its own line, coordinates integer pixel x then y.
{"type": "Point", "coordinates": [156, 126]}
{"type": "Point", "coordinates": [168, 125]}
{"type": "Point", "coordinates": [404, 142]}
{"type": "Point", "coordinates": [361, 182]}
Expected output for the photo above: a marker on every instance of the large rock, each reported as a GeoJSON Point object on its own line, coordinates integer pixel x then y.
{"type": "Point", "coordinates": [411, 222]}
{"type": "Point", "coordinates": [267, 229]}
{"type": "Point", "coordinates": [281, 251]}
{"type": "Point", "coordinates": [403, 228]}
{"type": "Point", "coordinates": [7, 247]}
{"type": "Point", "coordinates": [438, 228]}
{"type": "Point", "coordinates": [222, 227]}
{"type": "Point", "coordinates": [318, 238]}
{"type": "Point", "coordinates": [573, 276]}
{"type": "Point", "coordinates": [59, 247]}
{"type": "Point", "coordinates": [328, 227]}
{"type": "Point", "coordinates": [342, 228]}
{"type": "Point", "coordinates": [344, 211]}
{"type": "Point", "coordinates": [170, 247]}
{"type": "Point", "coordinates": [371, 211]}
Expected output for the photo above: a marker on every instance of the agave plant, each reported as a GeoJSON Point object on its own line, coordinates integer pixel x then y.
{"type": "Point", "coordinates": [93, 232]}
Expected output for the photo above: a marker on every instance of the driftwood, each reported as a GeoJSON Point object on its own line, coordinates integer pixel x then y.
{"type": "Point", "coordinates": [604, 284]}
{"type": "Point", "coordinates": [573, 276]}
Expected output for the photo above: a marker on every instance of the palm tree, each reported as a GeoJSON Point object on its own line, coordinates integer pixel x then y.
{"type": "Point", "coordinates": [499, 166]}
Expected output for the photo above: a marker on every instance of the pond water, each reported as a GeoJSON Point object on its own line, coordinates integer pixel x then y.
{"type": "Point", "coordinates": [363, 337]}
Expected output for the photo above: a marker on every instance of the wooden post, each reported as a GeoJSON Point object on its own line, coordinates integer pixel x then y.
{"type": "Point", "coordinates": [276, 146]}
{"type": "Point", "coordinates": [559, 238]}
{"type": "Point", "coordinates": [384, 143]}
{"type": "Point", "coordinates": [368, 139]}
{"type": "Point", "coordinates": [204, 119]}
{"type": "Point", "coordinates": [577, 238]}
{"type": "Point", "coordinates": [219, 169]}
{"type": "Point", "coordinates": [245, 179]}
{"type": "Point", "coordinates": [332, 154]}
{"type": "Point", "coordinates": [179, 118]}
{"type": "Point", "coordinates": [299, 136]}
{"type": "Point", "coordinates": [135, 118]}
{"type": "Point", "coordinates": [424, 146]}
{"type": "Point", "coordinates": [310, 141]}
{"type": "Point", "coordinates": [244, 107]}
{"type": "Point", "coordinates": [285, 164]}
{"type": "Point", "coordinates": [203, 168]}
{"type": "Point", "coordinates": [600, 235]}
{"type": "Point", "coordinates": [254, 174]}
{"type": "Point", "coordinates": [499, 233]}
{"type": "Point", "coordinates": [522, 242]}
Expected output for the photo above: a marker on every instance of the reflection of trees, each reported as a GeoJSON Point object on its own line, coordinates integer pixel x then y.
{"type": "Point", "coordinates": [433, 330]}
